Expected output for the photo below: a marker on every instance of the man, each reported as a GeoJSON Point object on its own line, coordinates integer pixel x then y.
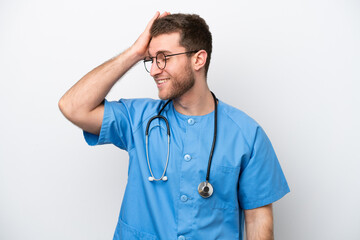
{"type": "Point", "coordinates": [164, 198]}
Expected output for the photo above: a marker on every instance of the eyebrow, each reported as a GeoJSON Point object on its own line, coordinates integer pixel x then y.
{"type": "Point", "coordinates": [160, 51]}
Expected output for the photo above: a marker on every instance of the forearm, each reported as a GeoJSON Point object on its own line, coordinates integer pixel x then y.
{"type": "Point", "coordinates": [82, 104]}
{"type": "Point", "coordinates": [90, 91]}
{"type": "Point", "coordinates": [259, 223]}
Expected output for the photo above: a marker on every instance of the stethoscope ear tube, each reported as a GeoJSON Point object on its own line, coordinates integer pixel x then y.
{"type": "Point", "coordinates": [163, 177]}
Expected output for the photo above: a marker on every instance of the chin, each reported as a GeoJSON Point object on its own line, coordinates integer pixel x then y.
{"type": "Point", "coordinates": [163, 96]}
{"type": "Point", "coordinates": [166, 93]}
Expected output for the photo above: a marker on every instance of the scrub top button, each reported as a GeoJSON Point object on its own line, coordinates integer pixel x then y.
{"type": "Point", "coordinates": [181, 237]}
{"type": "Point", "coordinates": [187, 157]}
{"type": "Point", "coordinates": [191, 121]}
{"type": "Point", "coordinates": [184, 198]}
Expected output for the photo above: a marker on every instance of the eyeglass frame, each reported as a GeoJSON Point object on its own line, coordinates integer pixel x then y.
{"type": "Point", "coordinates": [170, 55]}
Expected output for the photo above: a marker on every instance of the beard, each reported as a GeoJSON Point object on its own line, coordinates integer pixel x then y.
{"type": "Point", "coordinates": [180, 84]}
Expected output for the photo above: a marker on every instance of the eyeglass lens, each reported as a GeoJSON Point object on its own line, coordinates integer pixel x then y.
{"type": "Point", "coordinates": [160, 61]}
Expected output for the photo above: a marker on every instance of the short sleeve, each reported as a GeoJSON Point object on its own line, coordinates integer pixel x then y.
{"type": "Point", "coordinates": [115, 127]}
{"type": "Point", "coordinates": [262, 180]}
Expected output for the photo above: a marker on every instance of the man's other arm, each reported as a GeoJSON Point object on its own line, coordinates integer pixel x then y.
{"type": "Point", "coordinates": [259, 223]}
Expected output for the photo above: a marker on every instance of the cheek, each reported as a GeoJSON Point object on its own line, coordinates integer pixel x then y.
{"type": "Point", "coordinates": [178, 68]}
{"type": "Point", "coordinates": [172, 68]}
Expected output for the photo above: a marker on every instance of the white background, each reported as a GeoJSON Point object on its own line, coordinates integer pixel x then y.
{"type": "Point", "coordinates": [294, 66]}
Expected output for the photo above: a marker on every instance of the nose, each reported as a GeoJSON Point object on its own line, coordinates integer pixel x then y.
{"type": "Point", "coordinates": [155, 70]}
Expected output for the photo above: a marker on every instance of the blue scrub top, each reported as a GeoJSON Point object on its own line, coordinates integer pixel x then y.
{"type": "Point", "coordinates": [245, 172]}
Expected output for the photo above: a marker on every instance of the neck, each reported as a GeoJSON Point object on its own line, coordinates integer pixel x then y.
{"type": "Point", "coordinates": [195, 102]}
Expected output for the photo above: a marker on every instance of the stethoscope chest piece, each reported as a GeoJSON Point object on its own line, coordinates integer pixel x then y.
{"type": "Point", "coordinates": [205, 189]}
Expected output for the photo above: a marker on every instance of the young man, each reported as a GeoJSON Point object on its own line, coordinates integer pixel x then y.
{"type": "Point", "coordinates": [201, 167]}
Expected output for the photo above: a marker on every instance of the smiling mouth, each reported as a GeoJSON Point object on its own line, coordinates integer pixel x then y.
{"type": "Point", "coordinates": [160, 82]}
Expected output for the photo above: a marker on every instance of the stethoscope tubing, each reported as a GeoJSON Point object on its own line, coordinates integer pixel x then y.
{"type": "Point", "coordinates": [214, 139]}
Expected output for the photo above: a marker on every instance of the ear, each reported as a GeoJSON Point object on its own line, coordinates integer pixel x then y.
{"type": "Point", "coordinates": [199, 60]}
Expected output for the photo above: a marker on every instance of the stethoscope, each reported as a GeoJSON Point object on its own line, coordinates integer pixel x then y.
{"type": "Point", "coordinates": [205, 189]}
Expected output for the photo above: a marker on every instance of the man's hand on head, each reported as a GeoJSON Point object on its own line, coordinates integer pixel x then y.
{"type": "Point", "coordinates": [140, 46]}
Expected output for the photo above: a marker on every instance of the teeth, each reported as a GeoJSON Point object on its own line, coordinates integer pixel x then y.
{"type": "Point", "coordinates": [162, 81]}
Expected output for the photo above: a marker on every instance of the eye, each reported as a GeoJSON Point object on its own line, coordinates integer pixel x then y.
{"type": "Point", "coordinates": [149, 59]}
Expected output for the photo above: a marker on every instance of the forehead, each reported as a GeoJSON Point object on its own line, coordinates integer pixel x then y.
{"type": "Point", "coordinates": [165, 43]}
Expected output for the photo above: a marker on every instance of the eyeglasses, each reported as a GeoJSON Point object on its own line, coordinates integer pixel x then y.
{"type": "Point", "coordinates": [161, 60]}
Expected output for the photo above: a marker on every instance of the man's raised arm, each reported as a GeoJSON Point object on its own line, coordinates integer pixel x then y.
{"type": "Point", "coordinates": [82, 104]}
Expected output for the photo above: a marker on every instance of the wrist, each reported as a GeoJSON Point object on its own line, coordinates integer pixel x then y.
{"type": "Point", "coordinates": [135, 54]}
{"type": "Point", "coordinates": [128, 58]}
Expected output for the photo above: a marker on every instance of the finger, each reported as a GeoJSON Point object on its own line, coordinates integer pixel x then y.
{"type": "Point", "coordinates": [156, 16]}
{"type": "Point", "coordinates": [164, 14]}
